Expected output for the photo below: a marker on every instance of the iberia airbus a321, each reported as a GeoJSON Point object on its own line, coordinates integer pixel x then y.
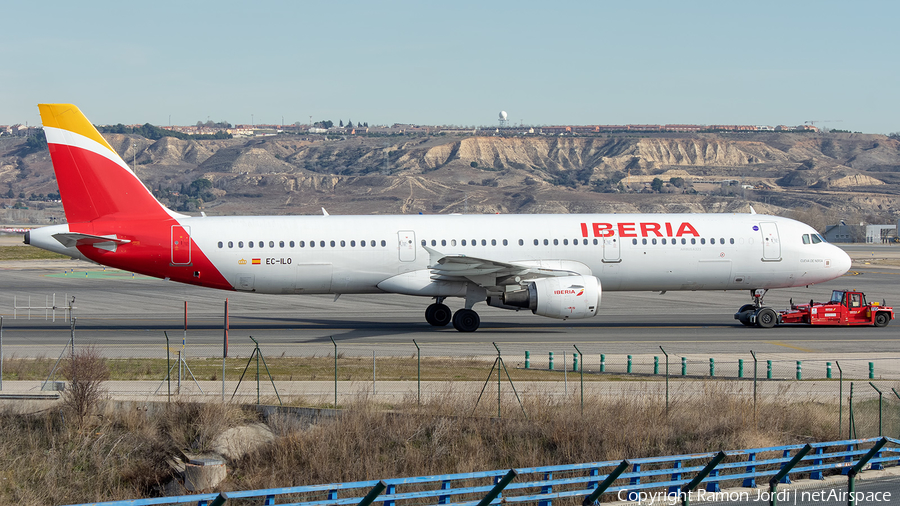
{"type": "Point", "coordinates": [553, 265]}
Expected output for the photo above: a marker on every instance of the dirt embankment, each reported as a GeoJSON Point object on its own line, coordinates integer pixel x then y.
{"type": "Point", "coordinates": [840, 176]}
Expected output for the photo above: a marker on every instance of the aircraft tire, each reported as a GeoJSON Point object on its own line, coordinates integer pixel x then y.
{"type": "Point", "coordinates": [746, 307]}
{"type": "Point", "coordinates": [438, 315]}
{"type": "Point", "coordinates": [744, 318]}
{"type": "Point", "coordinates": [466, 320]}
{"type": "Point", "coordinates": [881, 319]}
{"type": "Point", "coordinates": [766, 318]}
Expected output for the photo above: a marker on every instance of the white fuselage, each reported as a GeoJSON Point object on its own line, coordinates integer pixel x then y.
{"type": "Point", "coordinates": [325, 254]}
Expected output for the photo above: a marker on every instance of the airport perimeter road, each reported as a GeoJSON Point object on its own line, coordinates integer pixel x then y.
{"type": "Point", "coordinates": [114, 308]}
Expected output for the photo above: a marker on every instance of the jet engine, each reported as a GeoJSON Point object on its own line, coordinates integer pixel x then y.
{"type": "Point", "coordinates": [563, 297]}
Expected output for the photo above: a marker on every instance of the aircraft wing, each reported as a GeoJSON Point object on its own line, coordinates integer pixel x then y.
{"type": "Point", "coordinates": [492, 273]}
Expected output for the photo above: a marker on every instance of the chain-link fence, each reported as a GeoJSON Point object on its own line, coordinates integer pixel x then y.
{"type": "Point", "coordinates": [844, 397]}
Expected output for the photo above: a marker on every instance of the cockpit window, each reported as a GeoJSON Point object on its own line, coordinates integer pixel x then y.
{"type": "Point", "coordinates": [816, 238]}
{"type": "Point", "coordinates": [821, 238]}
{"type": "Point", "coordinates": [805, 238]}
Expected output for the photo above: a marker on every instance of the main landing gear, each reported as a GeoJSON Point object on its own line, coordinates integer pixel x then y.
{"type": "Point", "coordinates": [464, 320]}
{"type": "Point", "coordinates": [756, 313]}
{"type": "Point", "coordinates": [438, 314]}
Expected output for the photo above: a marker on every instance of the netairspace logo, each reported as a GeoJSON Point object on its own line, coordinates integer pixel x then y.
{"type": "Point", "coordinates": [759, 496]}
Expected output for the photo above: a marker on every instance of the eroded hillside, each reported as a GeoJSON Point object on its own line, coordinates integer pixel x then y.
{"type": "Point", "coordinates": [832, 176]}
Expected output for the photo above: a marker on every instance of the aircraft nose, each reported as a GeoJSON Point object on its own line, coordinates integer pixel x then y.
{"type": "Point", "coordinates": [842, 261]}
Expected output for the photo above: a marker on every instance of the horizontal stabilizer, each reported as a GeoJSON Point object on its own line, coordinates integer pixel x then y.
{"type": "Point", "coordinates": [72, 239]}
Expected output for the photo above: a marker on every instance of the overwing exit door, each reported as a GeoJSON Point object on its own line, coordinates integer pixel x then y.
{"type": "Point", "coordinates": [407, 244]}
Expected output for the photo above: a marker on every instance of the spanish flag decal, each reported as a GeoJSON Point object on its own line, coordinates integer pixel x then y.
{"type": "Point", "coordinates": [255, 261]}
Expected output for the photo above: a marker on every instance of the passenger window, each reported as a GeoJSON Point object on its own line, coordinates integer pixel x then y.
{"type": "Point", "coordinates": [362, 244]}
{"type": "Point", "coordinates": [383, 243]}
{"type": "Point", "coordinates": [272, 244]}
{"type": "Point", "coordinates": [596, 242]}
{"type": "Point", "coordinates": [653, 241]}
{"type": "Point", "coordinates": [240, 244]}
{"type": "Point", "coordinates": [463, 242]}
{"type": "Point", "coordinates": [280, 244]}
{"type": "Point", "coordinates": [494, 242]}
{"type": "Point", "coordinates": [292, 244]}
{"type": "Point", "coordinates": [221, 245]}
{"type": "Point", "coordinates": [536, 242]}
{"type": "Point", "coordinates": [261, 244]}
{"type": "Point", "coordinates": [732, 240]}
{"type": "Point", "coordinates": [484, 242]}
{"type": "Point", "coordinates": [372, 243]}
{"type": "Point", "coordinates": [702, 241]}
{"type": "Point", "coordinates": [693, 241]}
{"type": "Point", "coordinates": [721, 240]}
{"type": "Point", "coordinates": [452, 242]}
{"type": "Point", "coordinates": [556, 242]}
{"type": "Point", "coordinates": [250, 243]}
{"type": "Point", "coordinates": [505, 242]}
{"type": "Point", "coordinates": [433, 242]}
{"type": "Point", "coordinates": [443, 242]}
{"type": "Point", "coordinates": [322, 244]}
{"type": "Point", "coordinates": [332, 244]}
{"type": "Point", "coordinates": [474, 242]}
{"type": "Point", "coordinates": [230, 244]}
{"type": "Point", "coordinates": [633, 241]}
{"type": "Point", "coordinates": [565, 242]}
{"type": "Point", "coordinates": [546, 242]}
{"type": "Point", "coordinates": [312, 244]}
{"type": "Point", "coordinates": [521, 242]}
{"type": "Point", "coordinates": [302, 244]}
{"type": "Point", "coordinates": [664, 241]}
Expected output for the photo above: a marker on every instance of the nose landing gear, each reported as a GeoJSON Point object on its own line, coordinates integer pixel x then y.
{"type": "Point", "coordinates": [756, 313]}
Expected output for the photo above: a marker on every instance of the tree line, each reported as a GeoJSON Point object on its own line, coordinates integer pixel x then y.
{"type": "Point", "coordinates": [155, 133]}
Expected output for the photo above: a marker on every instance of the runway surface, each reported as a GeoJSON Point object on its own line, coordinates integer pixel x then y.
{"type": "Point", "coordinates": [116, 309]}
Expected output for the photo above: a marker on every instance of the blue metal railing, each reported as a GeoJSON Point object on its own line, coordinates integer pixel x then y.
{"type": "Point", "coordinates": [544, 484]}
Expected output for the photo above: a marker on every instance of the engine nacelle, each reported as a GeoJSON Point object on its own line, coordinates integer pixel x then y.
{"type": "Point", "coordinates": [563, 297]}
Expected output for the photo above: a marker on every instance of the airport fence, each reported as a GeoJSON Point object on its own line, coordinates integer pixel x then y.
{"type": "Point", "coordinates": [848, 397]}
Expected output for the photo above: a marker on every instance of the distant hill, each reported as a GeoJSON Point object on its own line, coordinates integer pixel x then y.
{"type": "Point", "coordinates": [817, 177]}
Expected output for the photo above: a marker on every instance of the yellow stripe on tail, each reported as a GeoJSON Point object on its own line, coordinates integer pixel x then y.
{"type": "Point", "coordinates": [69, 117]}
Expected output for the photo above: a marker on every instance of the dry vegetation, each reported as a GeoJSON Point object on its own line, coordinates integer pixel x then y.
{"type": "Point", "coordinates": [48, 459]}
{"type": "Point", "coordinates": [22, 253]}
{"type": "Point", "coordinates": [295, 369]}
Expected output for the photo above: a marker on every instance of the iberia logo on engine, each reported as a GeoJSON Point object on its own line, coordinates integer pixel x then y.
{"type": "Point", "coordinates": [569, 291]}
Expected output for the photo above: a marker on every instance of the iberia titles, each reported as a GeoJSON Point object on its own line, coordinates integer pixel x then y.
{"type": "Point", "coordinates": [643, 229]}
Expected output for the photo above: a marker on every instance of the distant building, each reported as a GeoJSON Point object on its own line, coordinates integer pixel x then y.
{"type": "Point", "coordinates": [880, 234]}
{"type": "Point", "coordinates": [839, 233]}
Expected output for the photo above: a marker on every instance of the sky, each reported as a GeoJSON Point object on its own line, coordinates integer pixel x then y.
{"type": "Point", "coordinates": [456, 63]}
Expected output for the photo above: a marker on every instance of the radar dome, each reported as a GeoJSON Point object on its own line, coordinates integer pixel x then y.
{"type": "Point", "coordinates": [503, 115]}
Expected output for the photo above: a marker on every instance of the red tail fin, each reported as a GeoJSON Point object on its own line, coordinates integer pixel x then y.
{"type": "Point", "coordinates": [94, 182]}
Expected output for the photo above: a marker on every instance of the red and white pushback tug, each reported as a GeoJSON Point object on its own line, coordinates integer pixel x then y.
{"type": "Point", "coordinates": [846, 307]}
